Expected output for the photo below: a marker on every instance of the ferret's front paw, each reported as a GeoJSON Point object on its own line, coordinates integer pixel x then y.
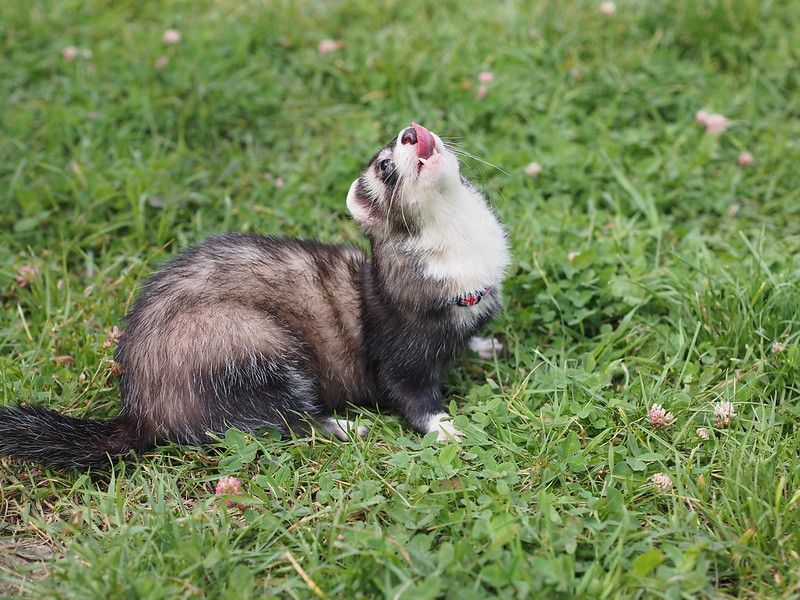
{"type": "Point", "coordinates": [487, 348]}
{"type": "Point", "coordinates": [449, 433]}
{"type": "Point", "coordinates": [444, 428]}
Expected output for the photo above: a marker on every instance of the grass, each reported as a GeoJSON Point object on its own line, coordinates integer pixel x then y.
{"type": "Point", "coordinates": [649, 268]}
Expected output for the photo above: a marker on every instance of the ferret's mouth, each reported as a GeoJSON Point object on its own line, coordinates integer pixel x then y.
{"type": "Point", "coordinates": [426, 145]}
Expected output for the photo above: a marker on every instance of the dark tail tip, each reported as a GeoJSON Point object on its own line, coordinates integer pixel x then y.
{"type": "Point", "coordinates": [56, 440]}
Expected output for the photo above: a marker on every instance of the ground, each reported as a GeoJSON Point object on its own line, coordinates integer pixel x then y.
{"type": "Point", "coordinates": [638, 435]}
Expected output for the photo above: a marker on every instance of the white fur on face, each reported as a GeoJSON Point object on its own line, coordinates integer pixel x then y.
{"type": "Point", "coordinates": [460, 241]}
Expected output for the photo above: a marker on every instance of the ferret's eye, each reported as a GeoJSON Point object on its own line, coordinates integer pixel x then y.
{"type": "Point", "coordinates": [385, 165]}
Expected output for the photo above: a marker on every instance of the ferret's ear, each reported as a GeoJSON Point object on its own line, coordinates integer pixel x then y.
{"type": "Point", "coordinates": [359, 205]}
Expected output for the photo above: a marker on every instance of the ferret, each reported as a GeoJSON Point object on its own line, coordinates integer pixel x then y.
{"type": "Point", "coordinates": [249, 331]}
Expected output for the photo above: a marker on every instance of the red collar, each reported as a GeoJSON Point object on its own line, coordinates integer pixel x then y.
{"type": "Point", "coordinates": [470, 298]}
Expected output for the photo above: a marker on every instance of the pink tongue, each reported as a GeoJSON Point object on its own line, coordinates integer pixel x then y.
{"type": "Point", "coordinates": [425, 141]}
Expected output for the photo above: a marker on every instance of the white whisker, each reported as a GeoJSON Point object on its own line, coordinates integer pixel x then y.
{"type": "Point", "coordinates": [463, 152]}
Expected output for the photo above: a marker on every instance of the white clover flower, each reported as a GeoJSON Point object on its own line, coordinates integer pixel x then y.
{"type": "Point", "coordinates": [711, 121]}
{"type": "Point", "coordinates": [69, 53]}
{"type": "Point", "coordinates": [327, 46]}
{"type": "Point", "coordinates": [661, 482]}
{"type": "Point", "coordinates": [172, 36]}
{"type": "Point", "coordinates": [533, 169]}
{"type": "Point", "coordinates": [724, 413]}
{"type": "Point", "coordinates": [608, 9]}
{"type": "Point", "coordinates": [660, 418]}
{"type": "Point", "coordinates": [716, 122]}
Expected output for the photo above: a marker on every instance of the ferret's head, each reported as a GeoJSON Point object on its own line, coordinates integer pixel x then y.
{"type": "Point", "coordinates": [404, 182]}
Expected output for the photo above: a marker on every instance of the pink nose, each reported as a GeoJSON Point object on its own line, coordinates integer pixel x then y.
{"type": "Point", "coordinates": [409, 136]}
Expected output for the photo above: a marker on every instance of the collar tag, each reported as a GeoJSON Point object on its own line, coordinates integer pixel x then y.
{"type": "Point", "coordinates": [471, 298]}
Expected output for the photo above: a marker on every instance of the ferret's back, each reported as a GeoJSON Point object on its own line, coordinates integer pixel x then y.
{"type": "Point", "coordinates": [240, 302]}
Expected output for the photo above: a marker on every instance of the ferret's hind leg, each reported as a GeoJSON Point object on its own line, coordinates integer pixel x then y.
{"type": "Point", "coordinates": [263, 391]}
{"type": "Point", "coordinates": [343, 429]}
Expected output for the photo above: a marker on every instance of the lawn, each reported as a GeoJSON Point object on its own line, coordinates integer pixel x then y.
{"type": "Point", "coordinates": [637, 437]}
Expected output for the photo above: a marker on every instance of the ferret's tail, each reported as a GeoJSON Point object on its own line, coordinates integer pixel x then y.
{"type": "Point", "coordinates": [56, 440]}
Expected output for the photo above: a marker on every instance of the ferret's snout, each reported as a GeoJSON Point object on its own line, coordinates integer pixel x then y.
{"type": "Point", "coordinates": [409, 136]}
